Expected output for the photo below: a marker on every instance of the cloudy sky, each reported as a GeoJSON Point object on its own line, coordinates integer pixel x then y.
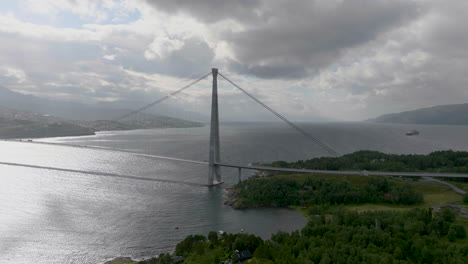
{"type": "Point", "coordinates": [345, 60]}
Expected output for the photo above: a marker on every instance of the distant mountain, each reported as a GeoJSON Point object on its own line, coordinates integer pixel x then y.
{"type": "Point", "coordinates": [23, 116]}
{"type": "Point", "coordinates": [456, 114]}
{"type": "Point", "coordinates": [150, 121]}
{"type": "Point", "coordinates": [165, 109]}
{"type": "Point", "coordinates": [80, 111]}
{"type": "Point", "coordinates": [67, 110]}
{"type": "Point", "coordinates": [22, 124]}
{"type": "Point", "coordinates": [26, 124]}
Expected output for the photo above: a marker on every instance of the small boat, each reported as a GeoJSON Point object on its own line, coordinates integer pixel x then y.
{"type": "Point", "coordinates": [412, 133]}
{"type": "Point", "coordinates": [176, 227]}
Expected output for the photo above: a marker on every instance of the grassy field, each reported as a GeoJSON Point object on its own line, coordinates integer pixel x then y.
{"type": "Point", "coordinates": [438, 195]}
{"type": "Point", "coordinates": [354, 180]}
{"type": "Point", "coordinates": [435, 194]}
{"type": "Point", "coordinates": [461, 185]}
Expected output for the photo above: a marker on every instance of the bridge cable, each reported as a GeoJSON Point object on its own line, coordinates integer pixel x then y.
{"type": "Point", "coordinates": [134, 112]}
{"type": "Point", "coordinates": [291, 124]}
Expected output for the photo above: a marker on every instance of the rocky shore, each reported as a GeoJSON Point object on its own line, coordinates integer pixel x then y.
{"type": "Point", "coordinates": [120, 260]}
{"type": "Point", "coordinates": [230, 197]}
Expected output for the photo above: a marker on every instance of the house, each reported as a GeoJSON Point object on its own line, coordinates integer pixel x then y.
{"type": "Point", "coordinates": [242, 255]}
{"type": "Point", "coordinates": [177, 259]}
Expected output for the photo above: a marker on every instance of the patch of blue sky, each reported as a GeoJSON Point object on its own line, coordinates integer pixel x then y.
{"type": "Point", "coordinates": [345, 62]}
{"type": "Point", "coordinates": [358, 89]}
{"type": "Point", "coordinates": [335, 93]}
{"type": "Point", "coordinates": [352, 60]}
{"type": "Point", "coordinates": [300, 89]}
{"type": "Point", "coordinates": [66, 19]}
{"type": "Point", "coordinates": [116, 17]}
{"type": "Point", "coordinates": [9, 6]}
{"type": "Point", "coordinates": [13, 7]}
{"type": "Point", "coordinates": [70, 20]}
{"type": "Point", "coordinates": [62, 20]}
{"type": "Point", "coordinates": [334, 67]}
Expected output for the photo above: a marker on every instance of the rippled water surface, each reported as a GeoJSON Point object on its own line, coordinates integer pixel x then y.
{"type": "Point", "coordinates": [50, 216]}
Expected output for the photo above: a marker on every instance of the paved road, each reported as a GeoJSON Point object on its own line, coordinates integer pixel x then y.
{"type": "Point", "coordinates": [455, 188]}
{"type": "Point", "coordinates": [364, 172]}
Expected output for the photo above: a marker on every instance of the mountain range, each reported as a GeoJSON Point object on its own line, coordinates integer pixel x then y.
{"type": "Point", "coordinates": [80, 111]}
{"type": "Point", "coordinates": [32, 116]}
{"type": "Point", "coordinates": [25, 124]}
{"type": "Point", "coordinates": [454, 114]}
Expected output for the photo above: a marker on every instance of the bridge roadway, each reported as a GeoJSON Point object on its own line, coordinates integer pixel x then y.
{"type": "Point", "coordinates": [376, 173]}
{"type": "Point", "coordinates": [97, 173]}
{"type": "Point", "coordinates": [108, 149]}
{"type": "Point", "coordinates": [248, 167]}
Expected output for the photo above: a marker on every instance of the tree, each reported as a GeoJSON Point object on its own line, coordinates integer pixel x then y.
{"type": "Point", "coordinates": [459, 231]}
{"type": "Point", "coordinates": [452, 234]}
{"type": "Point", "coordinates": [213, 236]}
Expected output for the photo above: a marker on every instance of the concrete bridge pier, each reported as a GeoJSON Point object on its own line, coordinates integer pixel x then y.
{"type": "Point", "coordinates": [214, 173]}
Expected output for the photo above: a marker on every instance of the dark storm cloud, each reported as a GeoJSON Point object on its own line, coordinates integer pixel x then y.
{"type": "Point", "coordinates": [210, 11]}
{"type": "Point", "coordinates": [447, 34]}
{"type": "Point", "coordinates": [269, 71]}
{"type": "Point", "coordinates": [355, 59]}
{"type": "Point", "coordinates": [312, 37]}
{"type": "Point", "coordinates": [193, 56]}
{"type": "Point", "coordinates": [292, 39]}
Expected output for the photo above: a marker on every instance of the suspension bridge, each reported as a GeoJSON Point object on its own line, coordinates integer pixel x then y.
{"type": "Point", "coordinates": [214, 161]}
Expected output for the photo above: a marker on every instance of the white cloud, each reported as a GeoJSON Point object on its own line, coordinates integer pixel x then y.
{"type": "Point", "coordinates": [92, 10]}
{"type": "Point", "coordinates": [162, 47]}
{"type": "Point", "coordinates": [15, 73]}
{"type": "Point", "coordinates": [10, 24]}
{"type": "Point", "coordinates": [400, 65]}
{"type": "Point", "coordinates": [109, 57]}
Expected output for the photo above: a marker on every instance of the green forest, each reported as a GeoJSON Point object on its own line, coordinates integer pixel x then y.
{"type": "Point", "coordinates": [438, 161]}
{"type": "Point", "coordinates": [308, 190]}
{"type": "Point", "coordinates": [405, 232]}
{"type": "Point", "coordinates": [341, 236]}
{"type": "Point", "coordinates": [351, 218]}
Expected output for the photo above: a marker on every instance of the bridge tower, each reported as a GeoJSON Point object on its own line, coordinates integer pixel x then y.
{"type": "Point", "coordinates": [214, 172]}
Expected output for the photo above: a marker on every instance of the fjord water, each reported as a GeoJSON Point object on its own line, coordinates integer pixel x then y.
{"type": "Point", "coordinates": [49, 216]}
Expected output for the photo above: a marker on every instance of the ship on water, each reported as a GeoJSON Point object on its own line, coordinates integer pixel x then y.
{"type": "Point", "coordinates": [412, 133]}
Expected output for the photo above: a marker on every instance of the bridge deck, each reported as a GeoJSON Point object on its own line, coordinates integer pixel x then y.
{"type": "Point", "coordinates": [266, 168]}
{"type": "Point", "coordinates": [377, 173]}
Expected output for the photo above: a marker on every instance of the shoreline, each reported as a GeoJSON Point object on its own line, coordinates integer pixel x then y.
{"type": "Point", "coordinates": [230, 200]}
{"type": "Point", "coordinates": [94, 133]}
{"type": "Point", "coordinates": [52, 135]}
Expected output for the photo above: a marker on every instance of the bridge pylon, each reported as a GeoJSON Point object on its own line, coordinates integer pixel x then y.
{"type": "Point", "coordinates": [214, 172]}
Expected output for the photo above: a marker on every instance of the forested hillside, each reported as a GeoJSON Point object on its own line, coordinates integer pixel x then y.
{"type": "Point", "coordinates": [351, 218]}
{"type": "Point", "coordinates": [438, 161]}
{"type": "Point", "coordinates": [340, 236]}
{"type": "Point", "coordinates": [309, 190]}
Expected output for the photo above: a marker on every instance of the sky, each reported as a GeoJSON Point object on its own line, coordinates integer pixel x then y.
{"type": "Point", "coordinates": [308, 59]}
